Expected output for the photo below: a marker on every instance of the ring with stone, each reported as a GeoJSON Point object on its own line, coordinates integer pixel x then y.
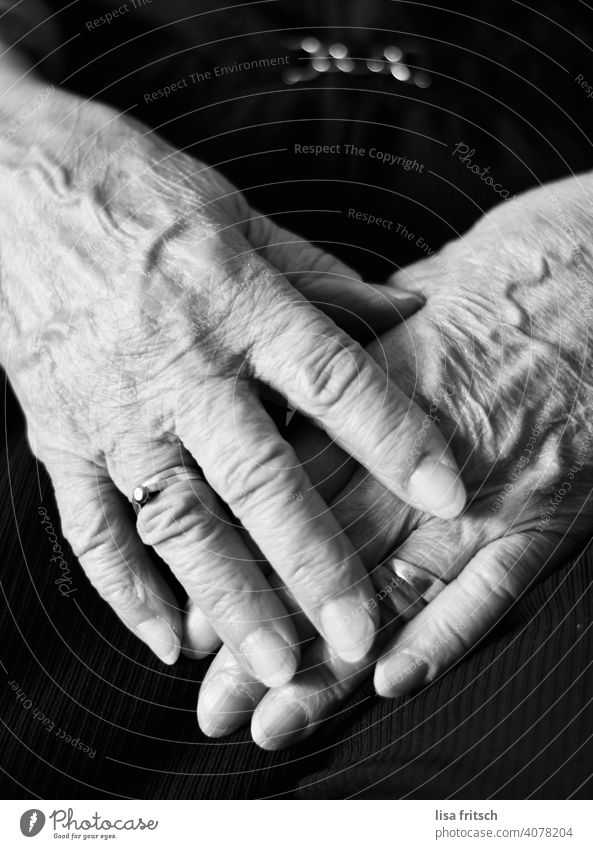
{"type": "Point", "coordinates": [144, 492]}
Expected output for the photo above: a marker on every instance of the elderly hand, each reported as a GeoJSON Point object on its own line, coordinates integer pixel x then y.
{"type": "Point", "coordinates": [143, 303]}
{"type": "Point", "coordinates": [500, 356]}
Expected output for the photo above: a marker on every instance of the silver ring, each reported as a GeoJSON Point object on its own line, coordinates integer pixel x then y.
{"type": "Point", "coordinates": [422, 582]}
{"type": "Point", "coordinates": [407, 586]}
{"type": "Point", "coordinates": [143, 493]}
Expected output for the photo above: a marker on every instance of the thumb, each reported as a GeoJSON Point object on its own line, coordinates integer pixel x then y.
{"type": "Point", "coordinates": [361, 309]}
{"type": "Point", "coordinates": [463, 612]}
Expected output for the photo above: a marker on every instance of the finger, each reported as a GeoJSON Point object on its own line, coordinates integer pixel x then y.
{"type": "Point", "coordinates": [421, 566]}
{"type": "Point", "coordinates": [97, 524]}
{"type": "Point", "coordinates": [188, 528]}
{"type": "Point", "coordinates": [199, 637]}
{"type": "Point", "coordinates": [363, 310]}
{"type": "Point", "coordinates": [373, 518]}
{"type": "Point", "coordinates": [287, 716]}
{"type": "Point", "coordinates": [229, 695]}
{"type": "Point", "coordinates": [330, 378]}
{"type": "Point", "coordinates": [419, 277]}
{"type": "Point", "coordinates": [461, 614]}
{"type": "Point", "coordinates": [258, 475]}
{"type": "Point", "coordinates": [357, 307]}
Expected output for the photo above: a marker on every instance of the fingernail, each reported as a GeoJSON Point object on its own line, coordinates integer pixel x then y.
{"type": "Point", "coordinates": [437, 488]}
{"type": "Point", "coordinates": [199, 638]}
{"type": "Point", "coordinates": [195, 654]}
{"type": "Point", "coordinates": [160, 638]}
{"type": "Point", "coordinates": [273, 722]}
{"type": "Point", "coordinates": [348, 627]}
{"type": "Point", "coordinates": [404, 295]}
{"type": "Point", "coordinates": [400, 674]}
{"type": "Point", "coordinates": [270, 657]}
{"type": "Point", "coordinates": [221, 708]}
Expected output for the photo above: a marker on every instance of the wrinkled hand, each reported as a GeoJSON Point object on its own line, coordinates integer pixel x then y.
{"type": "Point", "coordinates": [500, 357]}
{"type": "Point", "coordinates": [143, 304]}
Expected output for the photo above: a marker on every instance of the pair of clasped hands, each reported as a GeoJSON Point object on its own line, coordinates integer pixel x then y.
{"type": "Point", "coordinates": [353, 545]}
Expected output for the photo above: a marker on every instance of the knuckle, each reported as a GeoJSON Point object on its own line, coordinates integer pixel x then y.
{"type": "Point", "coordinates": [332, 372]}
{"type": "Point", "coordinates": [190, 513]}
{"type": "Point", "coordinates": [120, 594]}
{"type": "Point", "coordinates": [224, 604]}
{"type": "Point", "coordinates": [498, 579]}
{"type": "Point", "coordinates": [86, 524]}
{"type": "Point", "coordinates": [450, 642]}
{"type": "Point", "coordinates": [319, 575]}
{"type": "Point", "coordinates": [500, 584]}
{"type": "Point", "coordinates": [254, 479]}
{"type": "Point", "coordinates": [317, 572]}
{"type": "Point", "coordinates": [112, 578]}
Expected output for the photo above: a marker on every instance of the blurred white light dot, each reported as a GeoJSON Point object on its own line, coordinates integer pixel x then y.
{"type": "Point", "coordinates": [338, 51]}
{"type": "Point", "coordinates": [400, 72]}
{"type": "Point", "coordinates": [422, 80]}
{"type": "Point", "coordinates": [346, 65]}
{"type": "Point", "coordinates": [393, 54]}
{"type": "Point", "coordinates": [320, 64]}
{"type": "Point", "coordinates": [291, 76]}
{"type": "Point", "coordinates": [310, 44]}
{"type": "Point", "coordinates": [374, 65]}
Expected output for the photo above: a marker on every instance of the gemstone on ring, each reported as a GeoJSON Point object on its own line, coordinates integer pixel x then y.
{"type": "Point", "coordinates": [141, 494]}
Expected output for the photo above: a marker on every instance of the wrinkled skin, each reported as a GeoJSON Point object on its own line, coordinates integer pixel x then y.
{"type": "Point", "coordinates": [143, 305]}
{"type": "Point", "coordinates": [500, 355]}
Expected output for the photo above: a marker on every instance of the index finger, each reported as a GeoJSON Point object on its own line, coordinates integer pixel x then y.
{"type": "Point", "coordinates": [334, 381]}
